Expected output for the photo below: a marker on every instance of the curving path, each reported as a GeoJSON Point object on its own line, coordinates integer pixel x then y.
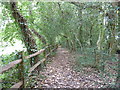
{"type": "Point", "coordinates": [59, 74]}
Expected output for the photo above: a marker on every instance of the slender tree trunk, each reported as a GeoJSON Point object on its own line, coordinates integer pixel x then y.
{"type": "Point", "coordinates": [118, 74]}
{"type": "Point", "coordinates": [90, 35]}
{"type": "Point", "coordinates": [102, 31]}
{"type": "Point", "coordinates": [80, 33]}
{"type": "Point", "coordinates": [27, 35]}
{"type": "Point", "coordinates": [39, 36]}
{"type": "Point", "coordinates": [112, 30]}
{"type": "Point", "coordinates": [118, 51]}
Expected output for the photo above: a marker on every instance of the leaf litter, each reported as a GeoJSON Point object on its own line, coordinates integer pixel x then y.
{"type": "Point", "coordinates": [60, 74]}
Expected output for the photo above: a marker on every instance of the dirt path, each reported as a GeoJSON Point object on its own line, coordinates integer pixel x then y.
{"type": "Point", "coordinates": [59, 74]}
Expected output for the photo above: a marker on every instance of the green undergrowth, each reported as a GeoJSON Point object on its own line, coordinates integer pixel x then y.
{"type": "Point", "coordinates": [10, 77]}
{"type": "Point", "coordinates": [90, 57]}
{"type": "Point", "coordinates": [87, 59]}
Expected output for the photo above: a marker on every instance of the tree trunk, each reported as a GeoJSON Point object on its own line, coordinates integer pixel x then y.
{"type": "Point", "coordinates": [80, 32]}
{"type": "Point", "coordinates": [90, 35]}
{"type": "Point", "coordinates": [39, 36]}
{"type": "Point", "coordinates": [27, 35]}
{"type": "Point", "coordinates": [118, 51]}
{"type": "Point", "coordinates": [112, 29]}
{"type": "Point", "coordinates": [118, 77]}
{"type": "Point", "coordinates": [102, 31]}
{"type": "Point", "coordinates": [118, 74]}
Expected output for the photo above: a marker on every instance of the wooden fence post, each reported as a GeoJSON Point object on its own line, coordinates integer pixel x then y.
{"type": "Point", "coordinates": [21, 68]}
{"type": "Point", "coordinates": [47, 50]}
{"type": "Point", "coordinates": [45, 53]}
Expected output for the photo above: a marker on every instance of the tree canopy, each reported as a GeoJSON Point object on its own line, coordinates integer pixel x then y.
{"type": "Point", "coordinates": [73, 25]}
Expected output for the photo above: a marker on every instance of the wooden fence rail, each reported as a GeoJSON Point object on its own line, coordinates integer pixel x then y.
{"type": "Point", "coordinates": [20, 61]}
{"type": "Point", "coordinates": [13, 63]}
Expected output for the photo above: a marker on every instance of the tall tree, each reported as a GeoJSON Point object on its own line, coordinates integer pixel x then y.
{"type": "Point", "coordinates": [27, 35]}
{"type": "Point", "coordinates": [118, 52]}
{"type": "Point", "coordinates": [112, 29]}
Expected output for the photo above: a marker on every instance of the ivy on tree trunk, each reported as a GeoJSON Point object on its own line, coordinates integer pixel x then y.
{"type": "Point", "coordinates": [27, 35]}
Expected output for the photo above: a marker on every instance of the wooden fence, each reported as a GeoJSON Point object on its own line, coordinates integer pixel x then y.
{"type": "Point", "coordinates": [20, 84]}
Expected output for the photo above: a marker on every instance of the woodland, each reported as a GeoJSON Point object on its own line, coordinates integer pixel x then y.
{"type": "Point", "coordinates": [64, 44]}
